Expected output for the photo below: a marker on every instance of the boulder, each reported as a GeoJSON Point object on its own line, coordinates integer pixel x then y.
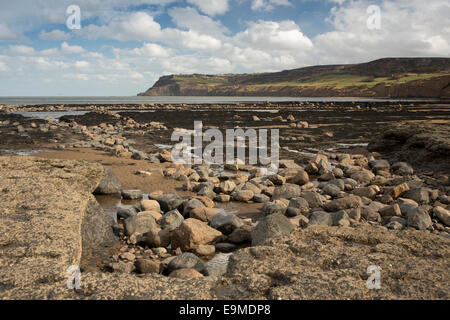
{"type": "Point", "coordinates": [301, 178]}
{"type": "Point", "coordinates": [340, 218]}
{"type": "Point", "coordinates": [363, 176]}
{"type": "Point", "coordinates": [110, 184]}
{"type": "Point", "coordinates": [419, 195]}
{"type": "Point", "coordinates": [419, 219]}
{"type": "Point", "coordinates": [241, 235]}
{"type": "Point", "coordinates": [192, 233]}
{"type": "Point", "coordinates": [150, 205]}
{"type": "Point", "coordinates": [132, 194]}
{"type": "Point", "coordinates": [186, 261]}
{"type": "Point", "coordinates": [273, 208]}
{"type": "Point", "coordinates": [139, 224]}
{"type": "Point", "coordinates": [169, 202]}
{"type": "Point", "coordinates": [226, 222]}
{"type": "Point", "coordinates": [274, 225]}
{"type": "Point", "coordinates": [242, 195]}
{"type": "Point", "coordinates": [402, 169]}
{"type": "Point", "coordinates": [442, 214]}
{"type": "Point", "coordinates": [190, 205]}
{"type": "Point", "coordinates": [204, 214]}
{"type": "Point", "coordinates": [158, 238]}
{"type": "Point", "coordinates": [185, 274]}
{"type": "Point", "coordinates": [313, 198]}
{"type": "Point", "coordinates": [287, 191]}
{"type": "Point", "coordinates": [300, 205]}
{"type": "Point", "coordinates": [321, 218]}
{"type": "Point", "coordinates": [145, 266]}
{"type": "Point", "coordinates": [171, 220]}
{"type": "Point", "coordinates": [349, 202]}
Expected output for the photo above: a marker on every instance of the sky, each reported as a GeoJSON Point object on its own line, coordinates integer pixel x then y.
{"type": "Point", "coordinates": [123, 46]}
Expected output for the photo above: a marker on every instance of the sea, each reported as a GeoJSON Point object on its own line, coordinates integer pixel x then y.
{"type": "Point", "coordinates": [23, 101]}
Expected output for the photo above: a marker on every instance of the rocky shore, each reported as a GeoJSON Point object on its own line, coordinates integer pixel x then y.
{"type": "Point", "coordinates": [310, 231]}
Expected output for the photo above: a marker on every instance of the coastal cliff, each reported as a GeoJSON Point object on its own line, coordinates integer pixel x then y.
{"type": "Point", "coordinates": [384, 78]}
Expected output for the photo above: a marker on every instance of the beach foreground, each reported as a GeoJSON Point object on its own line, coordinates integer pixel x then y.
{"type": "Point", "coordinates": [362, 190]}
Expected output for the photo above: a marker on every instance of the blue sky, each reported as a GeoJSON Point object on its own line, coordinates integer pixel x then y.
{"type": "Point", "coordinates": [124, 46]}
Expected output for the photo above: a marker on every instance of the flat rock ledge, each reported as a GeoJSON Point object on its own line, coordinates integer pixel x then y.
{"type": "Point", "coordinates": [49, 218]}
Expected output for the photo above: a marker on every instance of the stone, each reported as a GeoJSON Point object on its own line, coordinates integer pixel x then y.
{"type": "Point", "coordinates": [442, 214]}
{"type": "Point", "coordinates": [126, 213]}
{"type": "Point", "coordinates": [157, 238]}
{"type": "Point", "coordinates": [128, 256]}
{"type": "Point", "coordinates": [392, 210]}
{"type": "Point", "coordinates": [171, 220]}
{"type": "Point", "coordinates": [122, 267]}
{"type": "Point", "coordinates": [369, 214]}
{"type": "Point", "coordinates": [348, 202]}
{"type": "Point", "coordinates": [326, 176]}
{"type": "Point", "coordinates": [186, 273]}
{"type": "Point", "coordinates": [419, 195]}
{"type": "Point", "coordinates": [332, 190]}
{"type": "Point", "coordinates": [273, 208]}
{"type": "Point", "coordinates": [363, 176]}
{"type": "Point", "coordinates": [287, 191]}
{"type": "Point", "coordinates": [110, 184]}
{"type": "Point", "coordinates": [340, 218]}
{"type": "Point", "coordinates": [398, 190]}
{"type": "Point", "coordinates": [140, 224]}
{"type": "Point", "coordinates": [186, 260]}
{"type": "Point", "coordinates": [300, 204]}
{"type": "Point", "coordinates": [355, 214]}
{"type": "Point", "coordinates": [205, 250]}
{"type": "Point", "coordinates": [313, 199]}
{"type": "Point", "coordinates": [204, 214]}
{"type": "Point", "coordinates": [241, 235]}
{"type": "Point", "coordinates": [419, 219]}
{"type": "Point", "coordinates": [169, 202]}
{"type": "Point", "coordinates": [274, 225]}
{"type": "Point", "coordinates": [150, 205]}
{"type": "Point", "coordinates": [299, 221]}
{"type": "Point", "coordinates": [132, 194]}
{"type": "Point", "coordinates": [278, 180]}
{"type": "Point", "coordinates": [207, 202]}
{"type": "Point", "coordinates": [154, 214]}
{"type": "Point", "coordinates": [321, 218]}
{"type": "Point", "coordinates": [226, 222]}
{"type": "Point", "coordinates": [242, 195]}
{"type": "Point", "coordinates": [368, 192]}
{"type": "Point", "coordinates": [145, 266]}
{"type": "Point", "coordinates": [379, 165]}
{"type": "Point", "coordinates": [227, 187]}
{"type": "Point", "coordinates": [155, 195]}
{"type": "Point", "coordinates": [261, 198]}
{"type": "Point", "coordinates": [222, 198]}
{"type": "Point", "coordinates": [301, 178]}
{"type": "Point", "coordinates": [402, 169]}
{"type": "Point", "coordinates": [190, 205]}
{"type": "Point", "coordinates": [225, 247]}
{"type": "Point", "coordinates": [192, 233]}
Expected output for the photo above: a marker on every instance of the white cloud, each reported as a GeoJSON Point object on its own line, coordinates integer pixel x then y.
{"type": "Point", "coordinates": [211, 7]}
{"type": "Point", "coordinates": [190, 19]}
{"type": "Point", "coordinates": [274, 36]}
{"type": "Point", "coordinates": [6, 34]}
{"type": "Point", "coordinates": [66, 48]}
{"type": "Point", "coordinates": [21, 50]}
{"type": "Point", "coordinates": [268, 5]}
{"type": "Point", "coordinates": [54, 35]}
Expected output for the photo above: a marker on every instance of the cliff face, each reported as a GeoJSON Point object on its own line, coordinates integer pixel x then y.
{"type": "Point", "coordinates": [392, 78]}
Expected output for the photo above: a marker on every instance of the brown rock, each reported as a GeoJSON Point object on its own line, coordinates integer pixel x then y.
{"type": "Point", "coordinates": [147, 266]}
{"type": "Point", "coordinates": [192, 233]}
{"type": "Point", "coordinates": [186, 274]}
